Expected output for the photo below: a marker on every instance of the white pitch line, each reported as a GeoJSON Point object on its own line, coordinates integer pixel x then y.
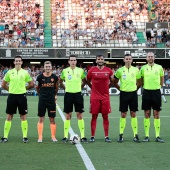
{"type": "Point", "coordinates": [89, 165]}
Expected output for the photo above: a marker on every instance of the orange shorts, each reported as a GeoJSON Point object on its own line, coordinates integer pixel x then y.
{"type": "Point", "coordinates": [100, 106]}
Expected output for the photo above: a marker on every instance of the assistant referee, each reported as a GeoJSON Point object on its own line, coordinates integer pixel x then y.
{"type": "Point", "coordinates": [152, 76]}
{"type": "Point", "coordinates": [15, 82]}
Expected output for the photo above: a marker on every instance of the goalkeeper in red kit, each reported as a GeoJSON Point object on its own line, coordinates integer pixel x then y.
{"type": "Point", "coordinates": [100, 79]}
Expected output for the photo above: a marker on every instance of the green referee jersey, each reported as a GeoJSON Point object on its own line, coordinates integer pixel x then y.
{"type": "Point", "coordinates": [73, 79]}
{"type": "Point", "coordinates": [151, 76]}
{"type": "Point", "coordinates": [128, 77]}
{"type": "Point", "coordinates": [17, 80]}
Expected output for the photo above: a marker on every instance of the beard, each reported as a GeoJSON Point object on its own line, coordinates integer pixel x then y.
{"type": "Point", "coordinates": [151, 61]}
{"type": "Point", "coordinates": [100, 64]}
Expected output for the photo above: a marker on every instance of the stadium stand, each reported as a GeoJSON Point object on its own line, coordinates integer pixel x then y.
{"type": "Point", "coordinates": [107, 23]}
{"type": "Point", "coordinates": [21, 23]}
{"type": "Point", "coordinates": [158, 13]}
{"type": "Point", "coordinates": [82, 23]}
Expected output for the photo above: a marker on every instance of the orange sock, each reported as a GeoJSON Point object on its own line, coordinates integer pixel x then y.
{"type": "Point", "coordinates": [53, 130]}
{"type": "Point", "coordinates": [40, 130]}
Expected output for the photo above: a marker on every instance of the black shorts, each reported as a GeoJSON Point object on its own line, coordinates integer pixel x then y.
{"type": "Point", "coordinates": [46, 104]}
{"type": "Point", "coordinates": [15, 101]}
{"type": "Point", "coordinates": [128, 99]}
{"type": "Point", "coordinates": [75, 99]}
{"type": "Point", "coordinates": [151, 99]}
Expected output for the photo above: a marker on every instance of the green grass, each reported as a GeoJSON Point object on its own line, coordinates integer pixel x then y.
{"type": "Point", "coordinates": [104, 156]}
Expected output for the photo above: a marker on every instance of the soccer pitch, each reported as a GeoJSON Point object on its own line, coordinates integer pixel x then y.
{"type": "Point", "coordinates": [104, 156]}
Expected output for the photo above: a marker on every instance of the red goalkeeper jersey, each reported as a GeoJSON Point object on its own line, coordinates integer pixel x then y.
{"type": "Point", "coordinates": [100, 79]}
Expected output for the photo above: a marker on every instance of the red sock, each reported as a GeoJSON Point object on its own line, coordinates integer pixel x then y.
{"type": "Point", "coordinates": [93, 124]}
{"type": "Point", "coordinates": [105, 124]}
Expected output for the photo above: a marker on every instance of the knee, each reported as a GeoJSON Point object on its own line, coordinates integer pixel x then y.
{"type": "Point", "coordinates": [41, 119]}
{"type": "Point", "coordinates": [147, 114]}
{"type": "Point", "coordinates": [9, 117]}
{"type": "Point", "coordinates": [156, 114]}
{"type": "Point", "coordinates": [68, 116]}
{"type": "Point", "coordinates": [123, 115]}
{"type": "Point", "coordinates": [133, 114]}
{"type": "Point", "coordinates": [94, 116]}
{"type": "Point", "coordinates": [52, 120]}
{"type": "Point", "coordinates": [23, 117]}
{"type": "Point", "coordinates": [79, 116]}
{"type": "Point", "coordinates": [105, 116]}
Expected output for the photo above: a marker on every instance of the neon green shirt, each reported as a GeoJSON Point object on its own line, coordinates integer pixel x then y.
{"type": "Point", "coordinates": [73, 79]}
{"type": "Point", "coordinates": [151, 76]}
{"type": "Point", "coordinates": [17, 80]}
{"type": "Point", "coordinates": [128, 78]}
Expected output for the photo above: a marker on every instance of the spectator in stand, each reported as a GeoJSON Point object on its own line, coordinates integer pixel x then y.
{"type": "Point", "coordinates": [5, 70]}
{"type": "Point", "coordinates": [168, 36]}
{"type": "Point", "coordinates": [159, 35]}
{"type": "Point", "coordinates": [148, 43]}
{"type": "Point", "coordinates": [19, 32]}
{"type": "Point", "coordinates": [166, 76]}
{"type": "Point", "coordinates": [152, 33]}
{"type": "Point", "coordinates": [134, 39]}
{"type": "Point", "coordinates": [23, 42]}
{"type": "Point", "coordinates": [153, 42]}
{"type": "Point", "coordinates": [167, 82]}
{"type": "Point", "coordinates": [167, 44]}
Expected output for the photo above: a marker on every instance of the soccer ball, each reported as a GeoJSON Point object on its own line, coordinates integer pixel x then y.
{"type": "Point", "coordinates": [74, 139]}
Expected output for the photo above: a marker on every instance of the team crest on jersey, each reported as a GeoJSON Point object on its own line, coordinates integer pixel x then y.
{"type": "Point", "coordinates": [43, 79]}
{"type": "Point", "coordinates": [105, 74]}
{"type": "Point", "coordinates": [69, 77]}
{"type": "Point", "coordinates": [52, 79]}
{"type": "Point", "coordinates": [156, 72]}
{"type": "Point", "coordinates": [132, 75]}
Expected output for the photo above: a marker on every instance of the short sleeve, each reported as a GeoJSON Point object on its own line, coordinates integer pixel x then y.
{"type": "Point", "coordinates": [28, 77]}
{"type": "Point", "coordinates": [141, 72]}
{"type": "Point", "coordinates": [117, 74]}
{"type": "Point", "coordinates": [62, 76]}
{"type": "Point", "coordinates": [161, 72]}
{"type": "Point", "coordinates": [83, 74]}
{"type": "Point", "coordinates": [138, 75]}
{"type": "Point", "coordinates": [7, 77]}
{"type": "Point", "coordinates": [89, 76]}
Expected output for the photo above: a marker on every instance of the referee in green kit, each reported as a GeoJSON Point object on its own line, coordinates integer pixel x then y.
{"type": "Point", "coordinates": [15, 81]}
{"type": "Point", "coordinates": [152, 76]}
